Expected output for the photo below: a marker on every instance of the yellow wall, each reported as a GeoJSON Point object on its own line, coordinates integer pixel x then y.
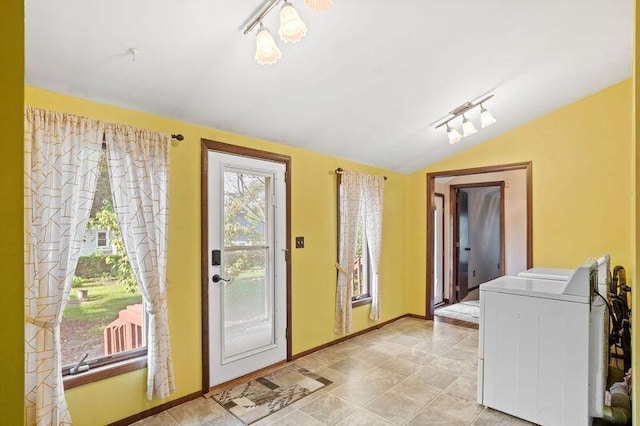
{"type": "Point", "coordinates": [11, 213]}
{"type": "Point", "coordinates": [313, 275]}
{"type": "Point", "coordinates": [582, 185]}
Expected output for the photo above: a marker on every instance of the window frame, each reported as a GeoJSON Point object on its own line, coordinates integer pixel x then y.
{"type": "Point", "coordinates": [106, 239]}
{"type": "Point", "coordinates": [365, 299]}
{"type": "Point", "coordinates": [106, 366]}
{"type": "Point", "coordinates": [110, 365]}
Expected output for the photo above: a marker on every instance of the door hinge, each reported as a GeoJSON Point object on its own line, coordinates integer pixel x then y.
{"type": "Point", "coordinates": [286, 255]}
{"type": "Point", "coordinates": [286, 176]}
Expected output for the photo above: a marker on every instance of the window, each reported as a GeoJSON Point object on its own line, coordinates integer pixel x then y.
{"type": "Point", "coordinates": [104, 320]}
{"type": "Point", "coordinates": [102, 238]}
{"type": "Point", "coordinates": [361, 282]}
{"type": "Point", "coordinates": [361, 264]}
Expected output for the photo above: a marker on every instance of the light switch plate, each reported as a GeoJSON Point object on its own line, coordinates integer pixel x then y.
{"type": "Point", "coordinates": [299, 242]}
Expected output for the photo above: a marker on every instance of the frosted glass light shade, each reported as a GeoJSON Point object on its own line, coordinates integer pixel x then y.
{"type": "Point", "coordinates": [292, 28]}
{"type": "Point", "coordinates": [318, 5]}
{"type": "Point", "coordinates": [486, 118]}
{"type": "Point", "coordinates": [267, 52]}
{"type": "Point", "coordinates": [454, 135]}
{"type": "Point", "coordinates": [468, 128]}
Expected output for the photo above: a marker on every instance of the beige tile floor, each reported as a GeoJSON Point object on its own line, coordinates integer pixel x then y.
{"type": "Point", "coordinates": [410, 372]}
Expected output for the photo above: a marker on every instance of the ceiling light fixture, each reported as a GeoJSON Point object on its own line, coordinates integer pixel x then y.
{"type": "Point", "coordinates": [267, 51]}
{"type": "Point", "coordinates": [486, 118]}
{"type": "Point", "coordinates": [454, 135]}
{"type": "Point", "coordinates": [292, 27]}
{"type": "Point", "coordinates": [468, 128]}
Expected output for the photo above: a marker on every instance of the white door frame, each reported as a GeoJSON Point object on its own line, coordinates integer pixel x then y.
{"type": "Point", "coordinates": [206, 147]}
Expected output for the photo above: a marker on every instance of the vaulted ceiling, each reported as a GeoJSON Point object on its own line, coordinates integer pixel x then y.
{"type": "Point", "coordinates": [366, 83]}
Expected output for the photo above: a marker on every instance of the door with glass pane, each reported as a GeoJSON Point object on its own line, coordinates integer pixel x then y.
{"type": "Point", "coordinates": [247, 265]}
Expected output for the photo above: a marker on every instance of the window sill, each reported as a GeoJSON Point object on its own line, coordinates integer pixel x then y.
{"type": "Point", "coordinates": [360, 302]}
{"type": "Point", "coordinates": [104, 372]}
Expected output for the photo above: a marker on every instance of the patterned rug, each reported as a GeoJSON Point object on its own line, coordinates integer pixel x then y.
{"type": "Point", "coordinates": [257, 398]}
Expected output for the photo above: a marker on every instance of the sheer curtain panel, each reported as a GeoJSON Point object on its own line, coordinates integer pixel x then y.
{"type": "Point", "coordinates": [373, 192]}
{"type": "Point", "coordinates": [349, 199]}
{"type": "Point", "coordinates": [61, 154]}
{"type": "Point", "coordinates": [138, 162]}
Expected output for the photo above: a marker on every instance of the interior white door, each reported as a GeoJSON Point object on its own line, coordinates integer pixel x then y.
{"type": "Point", "coordinates": [438, 251]}
{"type": "Point", "coordinates": [247, 247]}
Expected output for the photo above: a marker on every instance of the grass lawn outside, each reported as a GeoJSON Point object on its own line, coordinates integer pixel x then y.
{"type": "Point", "coordinates": [245, 298]}
{"type": "Point", "coordinates": [83, 321]}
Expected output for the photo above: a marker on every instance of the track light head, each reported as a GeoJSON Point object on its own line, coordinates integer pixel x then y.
{"type": "Point", "coordinates": [267, 52]}
{"type": "Point", "coordinates": [454, 135]}
{"type": "Point", "coordinates": [292, 28]}
{"type": "Point", "coordinates": [486, 118]}
{"type": "Point", "coordinates": [468, 128]}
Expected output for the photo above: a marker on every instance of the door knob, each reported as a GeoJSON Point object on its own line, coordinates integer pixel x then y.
{"type": "Point", "coordinates": [217, 278]}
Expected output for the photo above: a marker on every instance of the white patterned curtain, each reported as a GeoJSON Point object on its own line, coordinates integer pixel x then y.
{"type": "Point", "coordinates": [61, 157]}
{"type": "Point", "coordinates": [373, 192]}
{"type": "Point", "coordinates": [350, 202]}
{"type": "Point", "coordinates": [138, 162]}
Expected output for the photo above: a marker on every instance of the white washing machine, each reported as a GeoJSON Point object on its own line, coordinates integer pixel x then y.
{"type": "Point", "coordinates": [535, 347]}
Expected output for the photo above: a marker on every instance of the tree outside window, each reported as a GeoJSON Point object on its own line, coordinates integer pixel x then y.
{"type": "Point", "coordinates": [103, 317]}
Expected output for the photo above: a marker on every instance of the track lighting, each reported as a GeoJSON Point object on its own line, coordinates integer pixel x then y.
{"type": "Point", "coordinates": [267, 52]}
{"type": "Point", "coordinates": [468, 128]}
{"type": "Point", "coordinates": [454, 135]}
{"type": "Point", "coordinates": [486, 118]}
{"type": "Point", "coordinates": [292, 27]}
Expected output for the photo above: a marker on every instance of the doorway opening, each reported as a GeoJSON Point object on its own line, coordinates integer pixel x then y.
{"type": "Point", "coordinates": [501, 198]}
{"type": "Point", "coordinates": [245, 265]}
{"type": "Point", "coordinates": [477, 210]}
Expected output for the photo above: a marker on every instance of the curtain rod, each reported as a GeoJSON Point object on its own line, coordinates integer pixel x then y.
{"type": "Point", "coordinates": [339, 170]}
{"type": "Point", "coordinates": [179, 137]}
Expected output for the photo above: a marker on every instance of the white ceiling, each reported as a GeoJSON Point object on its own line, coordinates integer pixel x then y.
{"type": "Point", "coordinates": [365, 84]}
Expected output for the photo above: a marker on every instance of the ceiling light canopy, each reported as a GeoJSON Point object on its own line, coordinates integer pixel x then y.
{"type": "Point", "coordinates": [267, 51]}
{"type": "Point", "coordinates": [292, 28]}
{"type": "Point", "coordinates": [468, 128]}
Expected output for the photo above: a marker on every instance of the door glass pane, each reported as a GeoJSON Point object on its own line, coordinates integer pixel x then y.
{"type": "Point", "coordinates": [245, 209]}
{"type": "Point", "coordinates": [248, 309]}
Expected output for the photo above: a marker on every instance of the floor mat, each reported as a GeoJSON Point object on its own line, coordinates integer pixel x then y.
{"type": "Point", "coordinates": [468, 311]}
{"type": "Point", "coordinates": [257, 398]}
